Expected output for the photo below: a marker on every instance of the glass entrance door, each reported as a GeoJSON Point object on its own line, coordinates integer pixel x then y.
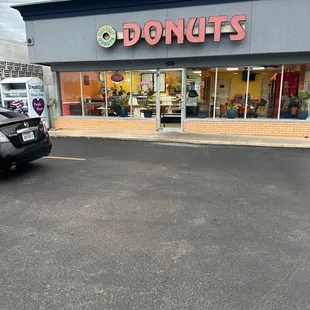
{"type": "Point", "coordinates": [170, 103]}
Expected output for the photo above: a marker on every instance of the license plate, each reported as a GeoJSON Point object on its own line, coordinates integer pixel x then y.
{"type": "Point", "coordinates": [28, 136]}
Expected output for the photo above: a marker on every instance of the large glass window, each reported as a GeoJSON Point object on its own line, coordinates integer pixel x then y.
{"type": "Point", "coordinates": [200, 95]}
{"type": "Point", "coordinates": [93, 85]}
{"type": "Point", "coordinates": [143, 99]}
{"type": "Point", "coordinates": [293, 101]}
{"type": "Point", "coordinates": [274, 91]}
{"type": "Point", "coordinates": [70, 88]}
{"type": "Point", "coordinates": [118, 93]}
{"type": "Point", "coordinates": [263, 82]}
{"type": "Point", "coordinates": [231, 90]}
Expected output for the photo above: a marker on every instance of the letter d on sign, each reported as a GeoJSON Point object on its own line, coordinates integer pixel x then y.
{"type": "Point", "coordinates": [136, 33]}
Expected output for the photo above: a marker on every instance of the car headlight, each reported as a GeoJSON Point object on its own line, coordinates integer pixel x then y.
{"type": "Point", "coordinates": [3, 138]}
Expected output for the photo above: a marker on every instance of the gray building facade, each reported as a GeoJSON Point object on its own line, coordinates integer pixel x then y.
{"type": "Point", "coordinates": [63, 35]}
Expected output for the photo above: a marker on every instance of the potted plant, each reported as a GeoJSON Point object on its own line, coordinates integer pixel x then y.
{"type": "Point", "coordinates": [202, 110]}
{"type": "Point", "coordinates": [121, 91]}
{"type": "Point", "coordinates": [148, 112]}
{"type": "Point", "coordinates": [123, 102]}
{"type": "Point", "coordinates": [113, 90]}
{"type": "Point", "coordinates": [303, 97]}
{"type": "Point", "coordinates": [232, 110]}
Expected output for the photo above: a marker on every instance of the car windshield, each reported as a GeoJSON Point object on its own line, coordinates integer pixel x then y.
{"type": "Point", "coordinates": [6, 115]}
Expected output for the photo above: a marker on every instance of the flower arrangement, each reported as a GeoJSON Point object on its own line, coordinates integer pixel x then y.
{"type": "Point", "coordinates": [147, 87]}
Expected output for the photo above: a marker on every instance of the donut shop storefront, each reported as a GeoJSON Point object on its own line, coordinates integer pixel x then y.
{"type": "Point", "coordinates": [192, 66]}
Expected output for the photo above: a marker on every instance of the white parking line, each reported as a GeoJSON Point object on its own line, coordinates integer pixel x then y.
{"type": "Point", "coordinates": [64, 158]}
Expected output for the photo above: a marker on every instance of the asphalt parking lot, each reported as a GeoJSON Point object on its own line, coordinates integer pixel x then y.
{"type": "Point", "coordinates": [107, 224]}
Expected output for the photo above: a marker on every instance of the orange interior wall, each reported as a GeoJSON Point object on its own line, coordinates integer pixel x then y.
{"type": "Point", "coordinates": [93, 89]}
{"type": "Point", "coordinates": [136, 79]}
{"type": "Point", "coordinates": [70, 86]}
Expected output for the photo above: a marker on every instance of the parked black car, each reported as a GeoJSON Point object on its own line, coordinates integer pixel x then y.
{"type": "Point", "coordinates": [22, 139]}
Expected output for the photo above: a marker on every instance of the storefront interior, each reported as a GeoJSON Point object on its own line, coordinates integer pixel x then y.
{"type": "Point", "coordinates": [253, 92]}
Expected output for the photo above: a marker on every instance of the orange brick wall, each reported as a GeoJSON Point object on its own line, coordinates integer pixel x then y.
{"type": "Point", "coordinates": [259, 128]}
{"type": "Point", "coordinates": [117, 124]}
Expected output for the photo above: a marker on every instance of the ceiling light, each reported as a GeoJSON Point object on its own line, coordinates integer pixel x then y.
{"type": "Point", "coordinates": [197, 72]}
{"type": "Point", "coordinates": [258, 68]}
{"type": "Point", "coordinates": [232, 69]}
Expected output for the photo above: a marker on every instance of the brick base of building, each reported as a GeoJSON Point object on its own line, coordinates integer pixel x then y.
{"type": "Point", "coordinates": [117, 124]}
{"type": "Point", "coordinates": [280, 128]}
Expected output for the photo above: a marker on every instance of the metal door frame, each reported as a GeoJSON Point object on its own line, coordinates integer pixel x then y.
{"type": "Point", "coordinates": [183, 94]}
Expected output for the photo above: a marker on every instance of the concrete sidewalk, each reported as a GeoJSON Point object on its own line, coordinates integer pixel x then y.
{"type": "Point", "coordinates": [180, 137]}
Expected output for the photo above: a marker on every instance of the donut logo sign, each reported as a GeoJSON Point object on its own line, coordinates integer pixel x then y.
{"type": "Point", "coordinates": [195, 30]}
{"type": "Point", "coordinates": [106, 36]}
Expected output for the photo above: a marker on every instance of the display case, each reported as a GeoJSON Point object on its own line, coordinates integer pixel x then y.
{"type": "Point", "coordinates": [27, 95]}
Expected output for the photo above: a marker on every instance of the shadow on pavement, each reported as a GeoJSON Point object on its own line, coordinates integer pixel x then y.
{"type": "Point", "coordinates": [21, 172]}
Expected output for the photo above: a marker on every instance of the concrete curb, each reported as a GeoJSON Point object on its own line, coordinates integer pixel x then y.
{"type": "Point", "coordinates": [57, 134]}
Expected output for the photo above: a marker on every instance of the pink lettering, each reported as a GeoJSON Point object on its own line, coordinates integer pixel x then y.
{"type": "Point", "coordinates": [201, 30]}
{"type": "Point", "coordinates": [235, 23]}
{"type": "Point", "coordinates": [195, 30]}
{"type": "Point", "coordinates": [178, 30]}
{"type": "Point", "coordinates": [218, 20]}
{"type": "Point", "coordinates": [158, 31]}
{"type": "Point", "coordinates": [126, 33]}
